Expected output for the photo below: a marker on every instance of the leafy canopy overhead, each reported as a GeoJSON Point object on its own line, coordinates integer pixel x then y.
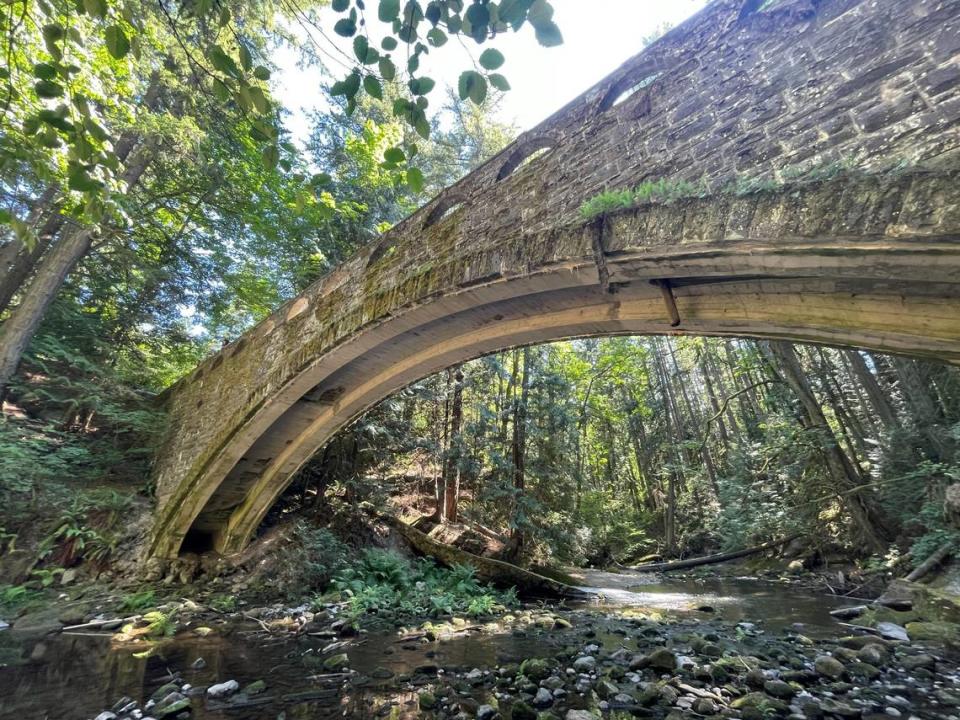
{"type": "Point", "coordinates": [420, 27]}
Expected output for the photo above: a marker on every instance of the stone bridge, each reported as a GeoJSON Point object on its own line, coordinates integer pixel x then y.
{"type": "Point", "coordinates": [823, 140]}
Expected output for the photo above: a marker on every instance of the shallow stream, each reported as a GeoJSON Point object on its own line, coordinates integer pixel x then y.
{"type": "Point", "coordinates": [77, 676]}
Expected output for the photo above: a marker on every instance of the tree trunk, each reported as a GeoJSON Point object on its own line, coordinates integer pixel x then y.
{"type": "Point", "coordinates": [18, 329]}
{"type": "Point", "coordinates": [710, 559]}
{"type": "Point", "coordinates": [451, 481]}
{"type": "Point", "coordinates": [519, 452]}
{"type": "Point", "coordinates": [867, 519]}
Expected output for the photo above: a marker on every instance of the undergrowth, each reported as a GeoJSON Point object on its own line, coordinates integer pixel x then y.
{"type": "Point", "coordinates": [385, 584]}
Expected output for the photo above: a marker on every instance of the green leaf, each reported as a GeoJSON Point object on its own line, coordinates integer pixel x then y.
{"type": "Point", "coordinates": [389, 10]}
{"type": "Point", "coordinates": [421, 85]}
{"type": "Point", "coordinates": [513, 12]}
{"type": "Point", "coordinates": [422, 126]}
{"type": "Point", "coordinates": [389, 43]}
{"type": "Point", "coordinates": [365, 54]}
{"type": "Point", "coordinates": [246, 61]}
{"type": "Point", "coordinates": [540, 11]}
{"type": "Point", "coordinates": [548, 34]}
{"type": "Point", "coordinates": [340, 5]}
{"type": "Point", "coordinates": [388, 70]}
{"type": "Point", "coordinates": [394, 155]}
{"type": "Point", "coordinates": [499, 82]}
{"type": "Point", "coordinates": [261, 73]}
{"type": "Point", "coordinates": [360, 47]}
{"type": "Point", "coordinates": [260, 101]}
{"type": "Point", "coordinates": [373, 87]}
{"type": "Point", "coordinates": [118, 45]}
{"type": "Point", "coordinates": [415, 179]}
{"type": "Point", "coordinates": [437, 37]}
{"type": "Point", "coordinates": [48, 89]}
{"type": "Point", "coordinates": [321, 179]}
{"type": "Point", "coordinates": [270, 157]}
{"type": "Point", "coordinates": [44, 71]}
{"type": "Point", "coordinates": [5, 216]}
{"type": "Point", "coordinates": [479, 18]}
{"type": "Point", "coordinates": [222, 62]}
{"type": "Point", "coordinates": [472, 85]}
{"type": "Point", "coordinates": [347, 87]}
{"type": "Point", "coordinates": [345, 27]}
{"type": "Point", "coordinates": [221, 90]}
{"type": "Point", "coordinates": [491, 59]}
{"type": "Point", "coordinates": [78, 179]}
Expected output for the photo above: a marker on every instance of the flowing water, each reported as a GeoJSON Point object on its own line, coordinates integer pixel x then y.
{"type": "Point", "coordinates": [77, 676]}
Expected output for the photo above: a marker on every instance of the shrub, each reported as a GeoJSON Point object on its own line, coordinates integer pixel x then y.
{"type": "Point", "coordinates": [385, 584]}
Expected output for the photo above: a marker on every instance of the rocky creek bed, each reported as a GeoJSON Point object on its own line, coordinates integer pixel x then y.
{"type": "Point", "coordinates": [671, 649]}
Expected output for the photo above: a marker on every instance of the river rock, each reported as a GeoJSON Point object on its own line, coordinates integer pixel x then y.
{"type": "Point", "coordinates": [522, 711]}
{"type": "Point", "coordinates": [543, 699]}
{"type": "Point", "coordinates": [892, 631]}
{"type": "Point", "coordinates": [915, 662]}
{"type": "Point", "coordinates": [336, 662]}
{"type": "Point", "coordinates": [487, 712]}
{"type": "Point", "coordinates": [873, 654]}
{"type": "Point", "coordinates": [606, 689]}
{"type": "Point", "coordinates": [579, 715]}
{"type": "Point", "coordinates": [585, 664]}
{"type": "Point", "coordinates": [711, 650]}
{"type": "Point", "coordinates": [255, 688]}
{"type": "Point", "coordinates": [535, 668]}
{"type": "Point", "coordinates": [223, 689]}
{"type": "Point", "coordinates": [865, 670]}
{"type": "Point", "coordinates": [704, 706]}
{"type": "Point", "coordinates": [426, 700]}
{"type": "Point", "coordinates": [779, 689]}
{"type": "Point", "coordinates": [172, 704]}
{"type": "Point", "coordinates": [662, 659]}
{"type": "Point", "coordinates": [839, 709]}
{"type": "Point", "coordinates": [829, 667]}
{"type": "Point", "coordinates": [759, 701]}
{"type": "Point", "coordinates": [933, 631]}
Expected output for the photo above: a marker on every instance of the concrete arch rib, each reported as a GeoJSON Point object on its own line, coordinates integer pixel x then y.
{"type": "Point", "coordinates": [768, 309]}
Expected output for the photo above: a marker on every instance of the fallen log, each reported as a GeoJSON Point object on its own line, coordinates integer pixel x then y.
{"type": "Point", "coordinates": [924, 568]}
{"type": "Point", "coordinates": [489, 570]}
{"type": "Point", "coordinates": [710, 559]}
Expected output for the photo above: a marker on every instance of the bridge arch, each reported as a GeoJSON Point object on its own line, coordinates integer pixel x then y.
{"type": "Point", "coordinates": [869, 258]}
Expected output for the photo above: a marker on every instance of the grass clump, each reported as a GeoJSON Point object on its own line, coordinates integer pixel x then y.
{"type": "Point", "coordinates": [135, 602]}
{"type": "Point", "coordinates": [661, 190]}
{"type": "Point", "coordinates": [385, 584]}
{"type": "Point", "coordinates": [224, 603]}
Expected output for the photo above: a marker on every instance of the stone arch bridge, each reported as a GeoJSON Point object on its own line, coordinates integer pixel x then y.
{"type": "Point", "coordinates": [750, 101]}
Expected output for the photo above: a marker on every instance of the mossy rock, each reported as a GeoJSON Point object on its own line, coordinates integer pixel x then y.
{"type": "Point", "coordinates": [427, 700]}
{"type": "Point", "coordinates": [947, 633]}
{"type": "Point", "coordinates": [336, 662]}
{"type": "Point", "coordinates": [535, 669]}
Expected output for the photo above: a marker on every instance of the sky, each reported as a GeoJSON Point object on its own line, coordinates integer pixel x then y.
{"type": "Point", "coordinates": [599, 35]}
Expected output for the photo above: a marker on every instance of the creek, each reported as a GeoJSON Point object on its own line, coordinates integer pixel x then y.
{"type": "Point", "coordinates": [78, 676]}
